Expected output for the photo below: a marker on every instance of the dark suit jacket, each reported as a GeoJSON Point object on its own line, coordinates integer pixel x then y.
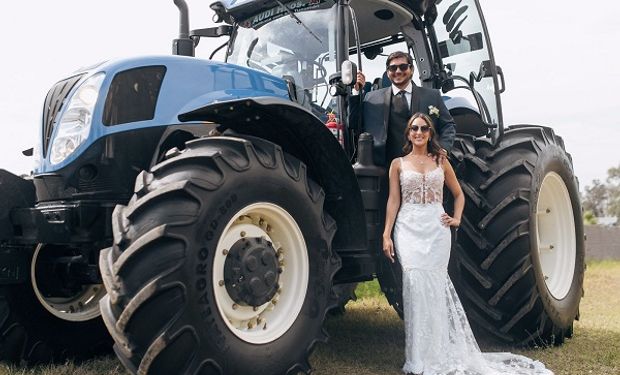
{"type": "Point", "coordinates": [375, 112]}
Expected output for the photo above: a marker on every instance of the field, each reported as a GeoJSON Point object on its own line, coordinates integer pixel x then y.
{"type": "Point", "coordinates": [369, 338]}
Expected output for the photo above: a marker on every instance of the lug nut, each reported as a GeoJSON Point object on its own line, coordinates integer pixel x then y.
{"type": "Point", "coordinates": [221, 283]}
{"type": "Point", "coordinates": [235, 306]}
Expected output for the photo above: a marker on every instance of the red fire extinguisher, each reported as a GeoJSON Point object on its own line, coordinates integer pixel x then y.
{"type": "Point", "coordinates": [335, 127]}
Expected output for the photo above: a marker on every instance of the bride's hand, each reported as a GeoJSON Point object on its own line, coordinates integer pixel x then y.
{"type": "Point", "coordinates": [388, 249]}
{"type": "Point", "coordinates": [449, 221]}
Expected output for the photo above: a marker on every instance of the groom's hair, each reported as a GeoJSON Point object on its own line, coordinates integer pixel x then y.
{"type": "Point", "coordinates": [397, 54]}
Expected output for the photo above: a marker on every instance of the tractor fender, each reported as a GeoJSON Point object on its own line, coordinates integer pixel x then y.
{"type": "Point", "coordinates": [456, 103]}
{"type": "Point", "coordinates": [304, 136]}
{"type": "Point", "coordinates": [466, 115]}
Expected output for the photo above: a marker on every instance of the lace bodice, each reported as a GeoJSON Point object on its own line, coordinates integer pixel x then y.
{"type": "Point", "coordinates": [421, 188]}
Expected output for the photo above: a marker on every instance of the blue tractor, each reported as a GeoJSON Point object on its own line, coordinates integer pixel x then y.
{"type": "Point", "coordinates": [232, 219]}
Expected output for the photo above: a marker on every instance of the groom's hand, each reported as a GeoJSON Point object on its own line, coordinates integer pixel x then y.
{"type": "Point", "coordinates": [443, 156]}
{"type": "Point", "coordinates": [360, 81]}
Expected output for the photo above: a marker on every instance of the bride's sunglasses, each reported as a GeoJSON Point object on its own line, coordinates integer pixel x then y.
{"type": "Point", "coordinates": [402, 67]}
{"type": "Point", "coordinates": [423, 128]}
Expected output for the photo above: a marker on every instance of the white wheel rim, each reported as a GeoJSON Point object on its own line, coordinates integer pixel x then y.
{"type": "Point", "coordinates": [78, 308]}
{"type": "Point", "coordinates": [555, 234]}
{"type": "Point", "coordinates": [271, 320]}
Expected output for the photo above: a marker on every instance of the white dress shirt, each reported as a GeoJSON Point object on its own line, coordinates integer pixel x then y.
{"type": "Point", "coordinates": [408, 90]}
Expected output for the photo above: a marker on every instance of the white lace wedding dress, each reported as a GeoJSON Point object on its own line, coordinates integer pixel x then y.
{"type": "Point", "coordinates": [439, 339]}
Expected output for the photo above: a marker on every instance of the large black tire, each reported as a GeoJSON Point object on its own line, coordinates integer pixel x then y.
{"type": "Point", "coordinates": [30, 334]}
{"type": "Point", "coordinates": [166, 309]}
{"type": "Point", "coordinates": [516, 289]}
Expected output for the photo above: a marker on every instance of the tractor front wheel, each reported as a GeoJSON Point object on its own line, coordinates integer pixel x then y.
{"type": "Point", "coordinates": [221, 264]}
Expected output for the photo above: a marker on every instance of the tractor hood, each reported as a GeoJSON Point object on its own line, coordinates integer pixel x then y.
{"type": "Point", "coordinates": [231, 11]}
{"type": "Point", "coordinates": [135, 93]}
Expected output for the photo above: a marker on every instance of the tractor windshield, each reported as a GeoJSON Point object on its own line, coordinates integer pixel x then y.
{"type": "Point", "coordinates": [296, 43]}
{"type": "Point", "coordinates": [465, 50]}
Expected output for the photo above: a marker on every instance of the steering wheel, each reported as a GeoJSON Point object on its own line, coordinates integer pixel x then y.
{"type": "Point", "coordinates": [286, 57]}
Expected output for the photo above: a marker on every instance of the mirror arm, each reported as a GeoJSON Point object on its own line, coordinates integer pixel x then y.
{"type": "Point", "coordinates": [212, 32]}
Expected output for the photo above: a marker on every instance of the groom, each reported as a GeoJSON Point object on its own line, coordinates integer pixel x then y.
{"type": "Point", "coordinates": [385, 111]}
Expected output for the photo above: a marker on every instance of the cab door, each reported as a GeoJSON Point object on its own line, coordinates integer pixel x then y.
{"type": "Point", "coordinates": [464, 48]}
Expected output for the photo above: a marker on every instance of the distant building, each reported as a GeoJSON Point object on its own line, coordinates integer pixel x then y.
{"type": "Point", "coordinates": [607, 221]}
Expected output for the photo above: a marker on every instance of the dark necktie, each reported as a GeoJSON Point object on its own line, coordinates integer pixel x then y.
{"type": "Point", "coordinates": [400, 103]}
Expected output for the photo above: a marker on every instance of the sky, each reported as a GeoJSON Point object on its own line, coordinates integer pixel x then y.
{"type": "Point", "coordinates": [559, 59]}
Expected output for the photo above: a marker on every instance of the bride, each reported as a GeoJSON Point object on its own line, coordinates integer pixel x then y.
{"type": "Point", "coordinates": [438, 338]}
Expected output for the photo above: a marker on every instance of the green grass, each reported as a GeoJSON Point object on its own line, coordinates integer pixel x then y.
{"type": "Point", "coordinates": [100, 366]}
{"type": "Point", "coordinates": [369, 338]}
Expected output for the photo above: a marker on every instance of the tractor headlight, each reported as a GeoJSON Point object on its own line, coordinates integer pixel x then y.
{"type": "Point", "coordinates": [74, 125]}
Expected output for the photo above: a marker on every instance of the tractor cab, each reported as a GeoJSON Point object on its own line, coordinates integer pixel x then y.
{"type": "Point", "coordinates": [305, 42]}
{"type": "Point", "coordinates": [296, 44]}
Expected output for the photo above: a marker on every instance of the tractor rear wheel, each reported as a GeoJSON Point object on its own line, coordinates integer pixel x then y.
{"type": "Point", "coordinates": [46, 319]}
{"type": "Point", "coordinates": [518, 264]}
{"type": "Point", "coordinates": [221, 264]}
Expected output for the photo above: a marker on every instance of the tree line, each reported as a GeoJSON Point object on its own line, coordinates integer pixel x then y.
{"type": "Point", "coordinates": [602, 198]}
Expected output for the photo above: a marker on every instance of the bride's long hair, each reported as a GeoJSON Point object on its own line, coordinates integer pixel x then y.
{"type": "Point", "coordinates": [432, 147]}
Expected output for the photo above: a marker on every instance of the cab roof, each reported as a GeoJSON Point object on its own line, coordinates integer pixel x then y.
{"type": "Point", "coordinates": [385, 16]}
{"type": "Point", "coordinates": [236, 10]}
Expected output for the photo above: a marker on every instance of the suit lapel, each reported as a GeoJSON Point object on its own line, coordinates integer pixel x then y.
{"type": "Point", "coordinates": [415, 99]}
{"type": "Point", "coordinates": [387, 96]}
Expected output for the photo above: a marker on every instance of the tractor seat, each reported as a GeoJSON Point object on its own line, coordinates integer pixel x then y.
{"type": "Point", "coordinates": [379, 83]}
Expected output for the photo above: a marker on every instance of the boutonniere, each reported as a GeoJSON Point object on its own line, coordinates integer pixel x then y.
{"type": "Point", "coordinates": [433, 111]}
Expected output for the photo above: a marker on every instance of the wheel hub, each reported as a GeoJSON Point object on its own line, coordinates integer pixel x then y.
{"type": "Point", "coordinates": [265, 226]}
{"type": "Point", "coordinates": [555, 235]}
{"type": "Point", "coordinates": [251, 271]}
{"type": "Point", "coordinates": [71, 295]}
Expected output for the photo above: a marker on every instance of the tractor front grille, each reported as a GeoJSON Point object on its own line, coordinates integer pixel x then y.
{"type": "Point", "coordinates": [53, 103]}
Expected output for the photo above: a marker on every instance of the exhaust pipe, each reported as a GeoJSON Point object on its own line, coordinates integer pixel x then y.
{"type": "Point", "coordinates": [184, 45]}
